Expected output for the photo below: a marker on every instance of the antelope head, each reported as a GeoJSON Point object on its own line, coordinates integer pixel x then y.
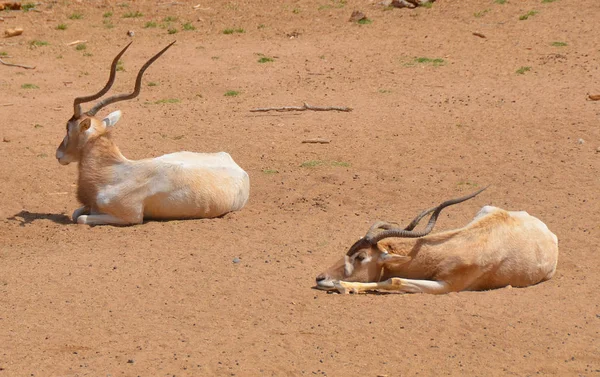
{"type": "Point", "coordinates": [366, 260]}
{"type": "Point", "coordinates": [83, 127]}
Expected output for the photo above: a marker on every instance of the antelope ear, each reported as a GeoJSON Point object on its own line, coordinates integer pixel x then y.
{"type": "Point", "coordinates": [112, 119]}
{"type": "Point", "coordinates": [85, 125]}
{"type": "Point", "coordinates": [394, 260]}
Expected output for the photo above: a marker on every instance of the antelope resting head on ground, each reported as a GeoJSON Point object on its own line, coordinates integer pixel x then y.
{"type": "Point", "coordinates": [496, 249]}
{"type": "Point", "coordinates": [115, 190]}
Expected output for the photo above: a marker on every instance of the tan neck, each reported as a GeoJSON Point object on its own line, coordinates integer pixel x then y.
{"type": "Point", "coordinates": [96, 165]}
{"type": "Point", "coordinates": [99, 152]}
{"type": "Point", "coordinates": [402, 246]}
{"type": "Point", "coordinates": [426, 254]}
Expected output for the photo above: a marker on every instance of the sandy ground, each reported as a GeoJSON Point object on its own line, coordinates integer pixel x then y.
{"type": "Point", "coordinates": [166, 299]}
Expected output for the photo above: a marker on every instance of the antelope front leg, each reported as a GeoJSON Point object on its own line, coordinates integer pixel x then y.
{"type": "Point", "coordinates": [395, 284]}
{"type": "Point", "coordinates": [102, 219]}
{"type": "Point", "coordinates": [119, 215]}
{"type": "Point", "coordinates": [85, 210]}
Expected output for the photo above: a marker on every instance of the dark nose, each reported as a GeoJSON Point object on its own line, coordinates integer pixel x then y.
{"type": "Point", "coordinates": [321, 277]}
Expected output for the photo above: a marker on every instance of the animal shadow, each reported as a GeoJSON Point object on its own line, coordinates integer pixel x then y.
{"type": "Point", "coordinates": [372, 292]}
{"type": "Point", "coordinates": [26, 217]}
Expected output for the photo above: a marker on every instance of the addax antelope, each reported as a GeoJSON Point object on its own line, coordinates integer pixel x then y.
{"type": "Point", "coordinates": [496, 249]}
{"type": "Point", "coordinates": [115, 190]}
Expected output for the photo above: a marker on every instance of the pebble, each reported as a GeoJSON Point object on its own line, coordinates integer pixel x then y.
{"type": "Point", "coordinates": [131, 33]}
{"type": "Point", "coordinates": [580, 141]}
{"type": "Point", "coordinates": [236, 260]}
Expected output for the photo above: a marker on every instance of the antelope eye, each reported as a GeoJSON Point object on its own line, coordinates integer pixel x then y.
{"type": "Point", "coordinates": [360, 257]}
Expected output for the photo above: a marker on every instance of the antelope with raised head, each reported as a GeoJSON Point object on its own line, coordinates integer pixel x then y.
{"type": "Point", "coordinates": [496, 249]}
{"type": "Point", "coordinates": [118, 191]}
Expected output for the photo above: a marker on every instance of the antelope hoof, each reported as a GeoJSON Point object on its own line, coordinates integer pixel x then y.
{"type": "Point", "coordinates": [344, 288]}
{"type": "Point", "coordinates": [80, 211]}
{"type": "Point", "coordinates": [340, 288]}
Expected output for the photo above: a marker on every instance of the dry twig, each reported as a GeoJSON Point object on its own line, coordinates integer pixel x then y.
{"type": "Point", "coordinates": [478, 34]}
{"type": "Point", "coordinates": [316, 140]}
{"type": "Point", "coordinates": [306, 106]}
{"type": "Point", "coordinates": [16, 65]}
{"type": "Point", "coordinates": [594, 97]}
{"type": "Point", "coordinates": [75, 42]}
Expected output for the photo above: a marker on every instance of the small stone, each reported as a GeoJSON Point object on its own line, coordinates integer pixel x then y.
{"type": "Point", "coordinates": [10, 5]}
{"type": "Point", "coordinates": [130, 361]}
{"type": "Point", "coordinates": [357, 16]}
{"type": "Point", "coordinates": [5, 140]}
{"type": "Point", "coordinates": [403, 4]}
{"type": "Point", "coordinates": [130, 33]}
{"type": "Point", "coordinates": [580, 141]}
{"type": "Point", "coordinates": [236, 260]}
{"type": "Point", "coordinates": [13, 32]}
{"type": "Point", "coordinates": [598, 150]}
